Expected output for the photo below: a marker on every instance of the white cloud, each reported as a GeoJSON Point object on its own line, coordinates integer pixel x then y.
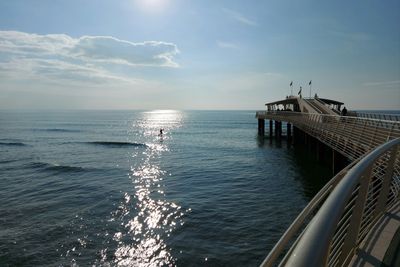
{"type": "Point", "coordinates": [239, 17]}
{"type": "Point", "coordinates": [112, 50]}
{"type": "Point", "coordinates": [88, 59]}
{"type": "Point", "coordinates": [25, 43]}
{"type": "Point", "coordinates": [89, 48]}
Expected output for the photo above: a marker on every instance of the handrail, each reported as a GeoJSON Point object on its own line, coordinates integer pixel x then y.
{"type": "Point", "coordinates": [326, 108]}
{"type": "Point", "coordinates": [313, 105]}
{"type": "Point", "coordinates": [306, 213]}
{"type": "Point", "coordinates": [364, 191]}
{"type": "Point", "coordinates": [379, 116]}
{"type": "Point", "coordinates": [314, 246]}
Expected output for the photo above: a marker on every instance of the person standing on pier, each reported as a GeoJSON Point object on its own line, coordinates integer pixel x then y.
{"type": "Point", "coordinates": [344, 111]}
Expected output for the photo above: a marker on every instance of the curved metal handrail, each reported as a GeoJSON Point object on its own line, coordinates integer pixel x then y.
{"type": "Point", "coordinates": [360, 198]}
{"type": "Point", "coordinates": [301, 219]}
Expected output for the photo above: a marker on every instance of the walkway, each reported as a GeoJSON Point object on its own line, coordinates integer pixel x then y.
{"type": "Point", "coordinates": [380, 248]}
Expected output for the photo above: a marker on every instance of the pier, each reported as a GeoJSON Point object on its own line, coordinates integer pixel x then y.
{"type": "Point", "coordinates": [347, 137]}
{"type": "Point", "coordinates": [338, 224]}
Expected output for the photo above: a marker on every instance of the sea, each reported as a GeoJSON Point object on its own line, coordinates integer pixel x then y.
{"type": "Point", "coordinates": [105, 188]}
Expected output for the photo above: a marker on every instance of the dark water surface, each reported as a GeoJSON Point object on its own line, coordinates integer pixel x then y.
{"type": "Point", "coordinates": [103, 188]}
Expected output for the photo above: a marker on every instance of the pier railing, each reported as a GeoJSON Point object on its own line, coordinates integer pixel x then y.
{"type": "Point", "coordinates": [341, 215]}
{"type": "Point", "coordinates": [378, 116]}
{"type": "Point", "coordinates": [350, 136]}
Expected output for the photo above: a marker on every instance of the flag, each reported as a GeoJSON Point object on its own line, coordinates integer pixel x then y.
{"type": "Point", "coordinates": [309, 83]}
{"type": "Point", "coordinates": [291, 83]}
{"type": "Point", "coordinates": [299, 93]}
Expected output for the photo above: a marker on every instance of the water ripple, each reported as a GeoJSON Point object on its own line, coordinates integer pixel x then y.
{"type": "Point", "coordinates": [147, 217]}
{"type": "Point", "coordinates": [117, 144]}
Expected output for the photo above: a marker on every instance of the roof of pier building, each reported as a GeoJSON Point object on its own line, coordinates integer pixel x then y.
{"type": "Point", "coordinates": [294, 100]}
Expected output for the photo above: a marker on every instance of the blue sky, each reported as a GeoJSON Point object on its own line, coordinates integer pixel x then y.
{"type": "Point", "coordinates": [197, 54]}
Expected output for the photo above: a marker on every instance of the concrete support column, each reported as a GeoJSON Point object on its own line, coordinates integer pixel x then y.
{"type": "Point", "coordinates": [334, 162]}
{"type": "Point", "coordinates": [270, 129]}
{"type": "Point", "coordinates": [295, 134]}
{"type": "Point", "coordinates": [305, 139]}
{"type": "Point", "coordinates": [280, 129]}
{"type": "Point", "coordinates": [320, 151]}
{"type": "Point", "coordinates": [261, 127]}
{"type": "Point", "coordinates": [338, 162]}
{"type": "Point", "coordinates": [289, 133]}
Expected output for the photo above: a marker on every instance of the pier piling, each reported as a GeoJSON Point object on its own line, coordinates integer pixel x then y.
{"type": "Point", "coordinates": [278, 130]}
{"type": "Point", "coordinates": [289, 132]}
{"type": "Point", "coordinates": [261, 127]}
{"type": "Point", "coordinates": [271, 129]}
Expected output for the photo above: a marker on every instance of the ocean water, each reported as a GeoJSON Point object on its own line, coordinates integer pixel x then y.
{"type": "Point", "coordinates": [103, 188]}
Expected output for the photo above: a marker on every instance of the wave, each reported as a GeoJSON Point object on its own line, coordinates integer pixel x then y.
{"type": "Point", "coordinates": [8, 161]}
{"type": "Point", "coordinates": [63, 130]}
{"type": "Point", "coordinates": [12, 144]}
{"type": "Point", "coordinates": [117, 144]}
{"type": "Point", "coordinates": [59, 130]}
{"type": "Point", "coordinates": [196, 133]}
{"type": "Point", "coordinates": [55, 167]}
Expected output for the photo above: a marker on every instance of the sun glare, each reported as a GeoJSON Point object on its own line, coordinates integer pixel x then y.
{"type": "Point", "coordinates": [152, 5]}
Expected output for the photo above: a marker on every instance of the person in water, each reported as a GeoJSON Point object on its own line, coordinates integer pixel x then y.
{"type": "Point", "coordinates": [161, 132]}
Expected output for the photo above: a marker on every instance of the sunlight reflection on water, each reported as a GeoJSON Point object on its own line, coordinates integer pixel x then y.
{"type": "Point", "coordinates": [153, 121]}
{"type": "Point", "coordinates": [143, 242]}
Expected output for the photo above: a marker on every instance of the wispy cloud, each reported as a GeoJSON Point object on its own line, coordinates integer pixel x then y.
{"type": "Point", "coordinates": [91, 59]}
{"type": "Point", "coordinates": [384, 83]}
{"type": "Point", "coordinates": [227, 45]}
{"type": "Point", "coordinates": [352, 36]}
{"type": "Point", "coordinates": [239, 17]}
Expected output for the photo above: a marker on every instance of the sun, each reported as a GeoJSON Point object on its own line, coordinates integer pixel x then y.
{"type": "Point", "coordinates": [152, 5]}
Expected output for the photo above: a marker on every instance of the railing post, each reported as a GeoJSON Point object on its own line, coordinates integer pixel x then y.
{"type": "Point", "coordinates": [371, 142]}
{"type": "Point", "coordinates": [387, 179]}
{"type": "Point", "coordinates": [390, 133]}
{"type": "Point", "coordinates": [352, 128]}
{"type": "Point", "coordinates": [356, 217]}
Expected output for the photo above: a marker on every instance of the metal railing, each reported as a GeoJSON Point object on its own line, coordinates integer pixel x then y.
{"type": "Point", "coordinates": [313, 105]}
{"type": "Point", "coordinates": [378, 116]}
{"type": "Point", "coordinates": [351, 136]}
{"type": "Point", "coordinates": [326, 108]}
{"type": "Point", "coordinates": [343, 212]}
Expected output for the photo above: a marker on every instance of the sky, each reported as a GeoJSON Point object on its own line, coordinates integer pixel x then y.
{"type": "Point", "coordinates": [197, 54]}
